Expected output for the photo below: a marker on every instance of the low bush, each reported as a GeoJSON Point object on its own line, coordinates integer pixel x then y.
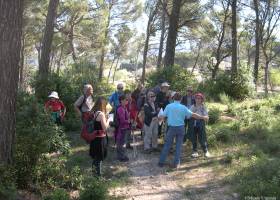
{"type": "Point", "coordinates": [260, 179]}
{"type": "Point", "coordinates": [7, 182]}
{"type": "Point", "coordinates": [58, 194]}
{"type": "Point", "coordinates": [52, 173]}
{"type": "Point", "coordinates": [94, 189]}
{"type": "Point", "coordinates": [214, 115]}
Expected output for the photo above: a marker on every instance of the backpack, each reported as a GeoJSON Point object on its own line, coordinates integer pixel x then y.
{"type": "Point", "coordinates": [88, 131]}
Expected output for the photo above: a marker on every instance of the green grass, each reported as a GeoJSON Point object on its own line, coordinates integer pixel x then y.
{"type": "Point", "coordinates": [249, 147]}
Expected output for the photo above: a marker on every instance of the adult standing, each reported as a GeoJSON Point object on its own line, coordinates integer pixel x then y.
{"type": "Point", "coordinates": [122, 129]}
{"type": "Point", "coordinates": [132, 110]}
{"type": "Point", "coordinates": [150, 124]}
{"type": "Point", "coordinates": [98, 146]}
{"type": "Point", "coordinates": [56, 107]}
{"type": "Point", "coordinates": [162, 101]}
{"type": "Point", "coordinates": [114, 98]}
{"type": "Point", "coordinates": [85, 103]}
{"type": "Point", "coordinates": [136, 93]}
{"type": "Point", "coordinates": [188, 100]}
{"type": "Point", "coordinates": [176, 114]}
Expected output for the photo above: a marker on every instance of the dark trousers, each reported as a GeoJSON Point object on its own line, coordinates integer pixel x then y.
{"type": "Point", "coordinates": [97, 165]}
{"type": "Point", "coordinates": [201, 137]}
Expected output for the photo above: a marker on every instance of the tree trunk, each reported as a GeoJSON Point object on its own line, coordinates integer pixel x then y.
{"type": "Point", "coordinates": [59, 61]}
{"type": "Point", "coordinates": [196, 59]}
{"type": "Point", "coordinates": [160, 50]}
{"type": "Point", "coordinates": [172, 33]}
{"type": "Point", "coordinates": [21, 63]}
{"type": "Point", "coordinates": [215, 69]}
{"type": "Point", "coordinates": [145, 52]}
{"type": "Point", "coordinates": [71, 41]}
{"type": "Point", "coordinates": [146, 47]}
{"type": "Point", "coordinates": [234, 39]}
{"type": "Point", "coordinates": [103, 48]}
{"type": "Point", "coordinates": [47, 40]}
{"type": "Point", "coordinates": [111, 69]}
{"type": "Point", "coordinates": [115, 69]}
{"type": "Point", "coordinates": [11, 14]}
{"type": "Point", "coordinates": [266, 77]}
{"type": "Point", "coordinates": [257, 40]}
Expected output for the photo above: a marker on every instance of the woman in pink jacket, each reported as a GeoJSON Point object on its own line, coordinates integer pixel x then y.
{"type": "Point", "coordinates": [123, 128]}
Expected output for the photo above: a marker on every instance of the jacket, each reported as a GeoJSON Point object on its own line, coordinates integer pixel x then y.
{"type": "Point", "coordinates": [150, 113]}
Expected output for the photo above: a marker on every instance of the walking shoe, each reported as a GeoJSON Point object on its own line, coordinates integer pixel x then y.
{"type": "Point", "coordinates": [207, 154]}
{"type": "Point", "coordinates": [194, 154]}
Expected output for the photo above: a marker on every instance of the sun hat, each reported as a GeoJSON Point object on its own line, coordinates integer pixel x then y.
{"type": "Point", "coordinates": [165, 84]}
{"type": "Point", "coordinates": [54, 94]}
{"type": "Point", "coordinates": [199, 95]}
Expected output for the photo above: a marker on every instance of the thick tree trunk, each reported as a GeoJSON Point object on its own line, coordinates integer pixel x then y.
{"type": "Point", "coordinates": [257, 40]}
{"type": "Point", "coordinates": [234, 39]}
{"type": "Point", "coordinates": [21, 63]}
{"type": "Point", "coordinates": [160, 50]}
{"type": "Point", "coordinates": [172, 33]}
{"type": "Point", "coordinates": [47, 40]}
{"type": "Point", "coordinates": [11, 14]}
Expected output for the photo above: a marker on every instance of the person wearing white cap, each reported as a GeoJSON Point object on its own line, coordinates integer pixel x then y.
{"type": "Point", "coordinates": [56, 107]}
{"type": "Point", "coordinates": [85, 102]}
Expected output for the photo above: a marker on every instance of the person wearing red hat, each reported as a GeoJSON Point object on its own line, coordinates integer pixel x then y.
{"type": "Point", "coordinates": [196, 129]}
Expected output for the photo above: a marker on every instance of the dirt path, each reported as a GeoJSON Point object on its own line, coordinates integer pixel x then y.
{"type": "Point", "coordinates": [194, 180]}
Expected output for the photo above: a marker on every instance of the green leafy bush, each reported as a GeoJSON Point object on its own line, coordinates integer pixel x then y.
{"type": "Point", "coordinates": [261, 178]}
{"type": "Point", "coordinates": [52, 173]}
{"type": "Point", "coordinates": [240, 87]}
{"type": "Point", "coordinates": [94, 189]}
{"type": "Point", "coordinates": [214, 115]}
{"type": "Point", "coordinates": [7, 182]}
{"type": "Point", "coordinates": [36, 135]}
{"type": "Point", "coordinates": [275, 77]}
{"type": "Point", "coordinates": [58, 194]}
{"type": "Point", "coordinates": [178, 77]}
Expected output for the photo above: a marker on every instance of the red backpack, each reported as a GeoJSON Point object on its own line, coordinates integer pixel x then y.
{"type": "Point", "coordinates": [88, 132]}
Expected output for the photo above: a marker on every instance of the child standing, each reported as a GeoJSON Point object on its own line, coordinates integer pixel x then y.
{"type": "Point", "coordinates": [196, 129]}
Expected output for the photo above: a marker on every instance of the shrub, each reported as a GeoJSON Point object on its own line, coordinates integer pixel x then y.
{"type": "Point", "coordinates": [261, 178]}
{"type": "Point", "coordinates": [239, 87]}
{"type": "Point", "coordinates": [52, 173]}
{"type": "Point", "coordinates": [58, 194]}
{"type": "Point", "coordinates": [7, 182]}
{"type": "Point", "coordinates": [275, 77]}
{"type": "Point", "coordinates": [178, 77]}
{"type": "Point", "coordinates": [36, 135]}
{"type": "Point", "coordinates": [214, 115]}
{"type": "Point", "coordinates": [94, 189]}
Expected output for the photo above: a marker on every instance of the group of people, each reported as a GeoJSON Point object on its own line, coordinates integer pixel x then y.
{"type": "Point", "coordinates": [156, 111]}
